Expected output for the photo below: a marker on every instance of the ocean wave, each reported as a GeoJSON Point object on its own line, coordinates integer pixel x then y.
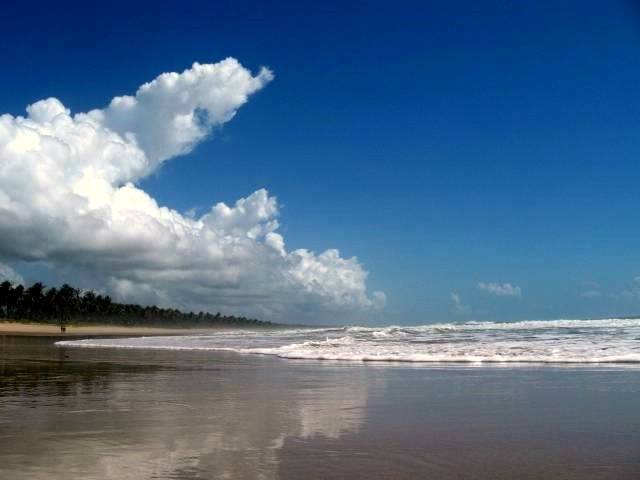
{"type": "Point", "coordinates": [547, 342]}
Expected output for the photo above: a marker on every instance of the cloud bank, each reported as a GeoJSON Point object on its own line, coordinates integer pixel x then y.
{"type": "Point", "coordinates": [500, 289]}
{"type": "Point", "coordinates": [68, 198]}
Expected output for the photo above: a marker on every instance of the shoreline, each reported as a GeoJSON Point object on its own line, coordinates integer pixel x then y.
{"type": "Point", "coordinates": [106, 413]}
{"type": "Point", "coordinates": [88, 331]}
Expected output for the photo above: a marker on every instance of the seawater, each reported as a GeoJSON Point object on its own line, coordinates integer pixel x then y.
{"type": "Point", "coordinates": [607, 341]}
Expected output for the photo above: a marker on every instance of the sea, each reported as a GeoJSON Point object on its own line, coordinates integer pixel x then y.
{"type": "Point", "coordinates": [555, 342]}
{"type": "Point", "coordinates": [480, 401]}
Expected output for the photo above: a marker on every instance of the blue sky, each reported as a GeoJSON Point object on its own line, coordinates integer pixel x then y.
{"type": "Point", "coordinates": [442, 143]}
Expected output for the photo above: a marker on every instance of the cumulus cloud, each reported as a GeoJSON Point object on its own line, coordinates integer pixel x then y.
{"type": "Point", "coordinates": [68, 198]}
{"type": "Point", "coordinates": [171, 114]}
{"type": "Point", "coordinates": [500, 289]}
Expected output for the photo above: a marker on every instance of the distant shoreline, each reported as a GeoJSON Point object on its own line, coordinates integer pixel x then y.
{"type": "Point", "coordinates": [44, 330]}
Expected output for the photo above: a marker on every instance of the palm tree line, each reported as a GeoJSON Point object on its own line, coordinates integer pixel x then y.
{"type": "Point", "coordinates": [67, 304]}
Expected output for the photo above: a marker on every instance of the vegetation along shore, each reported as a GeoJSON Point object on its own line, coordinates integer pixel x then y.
{"type": "Point", "coordinates": [41, 306]}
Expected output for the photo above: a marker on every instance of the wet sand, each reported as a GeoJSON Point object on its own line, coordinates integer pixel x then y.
{"type": "Point", "coordinates": [98, 413]}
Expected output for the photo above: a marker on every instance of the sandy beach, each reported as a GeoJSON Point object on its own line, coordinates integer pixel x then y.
{"type": "Point", "coordinates": [91, 414]}
{"type": "Point", "coordinates": [40, 330]}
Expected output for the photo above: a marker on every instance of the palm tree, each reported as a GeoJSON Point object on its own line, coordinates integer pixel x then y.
{"type": "Point", "coordinates": [67, 301]}
{"type": "Point", "coordinates": [34, 297]}
{"type": "Point", "coordinates": [49, 307]}
{"type": "Point", "coordinates": [15, 304]}
{"type": "Point", "coordinates": [88, 304]}
{"type": "Point", "coordinates": [63, 304]}
{"type": "Point", "coordinates": [5, 292]}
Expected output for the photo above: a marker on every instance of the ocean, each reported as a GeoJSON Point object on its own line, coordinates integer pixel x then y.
{"type": "Point", "coordinates": [481, 401]}
{"type": "Point", "coordinates": [607, 341]}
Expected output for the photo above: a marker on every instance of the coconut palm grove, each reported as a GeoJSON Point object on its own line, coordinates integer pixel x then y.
{"type": "Point", "coordinates": [68, 304]}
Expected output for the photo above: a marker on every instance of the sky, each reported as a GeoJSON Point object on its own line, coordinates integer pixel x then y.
{"type": "Point", "coordinates": [478, 159]}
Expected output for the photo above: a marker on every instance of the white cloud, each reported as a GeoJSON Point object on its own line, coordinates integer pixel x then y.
{"type": "Point", "coordinates": [171, 114]}
{"type": "Point", "coordinates": [68, 198]}
{"type": "Point", "coordinates": [9, 274]}
{"type": "Point", "coordinates": [500, 289]}
{"type": "Point", "coordinates": [458, 305]}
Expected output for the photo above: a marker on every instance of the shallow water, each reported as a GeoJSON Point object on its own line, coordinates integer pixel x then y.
{"type": "Point", "coordinates": [84, 413]}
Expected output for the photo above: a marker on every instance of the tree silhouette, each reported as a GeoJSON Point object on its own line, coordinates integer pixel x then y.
{"type": "Point", "coordinates": [68, 304]}
{"type": "Point", "coordinates": [33, 301]}
{"type": "Point", "coordinates": [5, 292]}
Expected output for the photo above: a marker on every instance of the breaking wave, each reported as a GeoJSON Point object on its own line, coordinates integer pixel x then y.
{"type": "Point", "coordinates": [551, 342]}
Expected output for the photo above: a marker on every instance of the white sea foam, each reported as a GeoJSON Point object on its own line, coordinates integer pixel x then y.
{"type": "Point", "coordinates": [553, 342]}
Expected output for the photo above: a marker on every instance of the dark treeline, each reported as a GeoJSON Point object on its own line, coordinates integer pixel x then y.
{"type": "Point", "coordinates": [67, 304]}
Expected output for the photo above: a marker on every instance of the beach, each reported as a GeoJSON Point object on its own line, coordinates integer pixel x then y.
{"type": "Point", "coordinates": [85, 331]}
{"type": "Point", "coordinates": [320, 240]}
{"type": "Point", "coordinates": [95, 413]}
